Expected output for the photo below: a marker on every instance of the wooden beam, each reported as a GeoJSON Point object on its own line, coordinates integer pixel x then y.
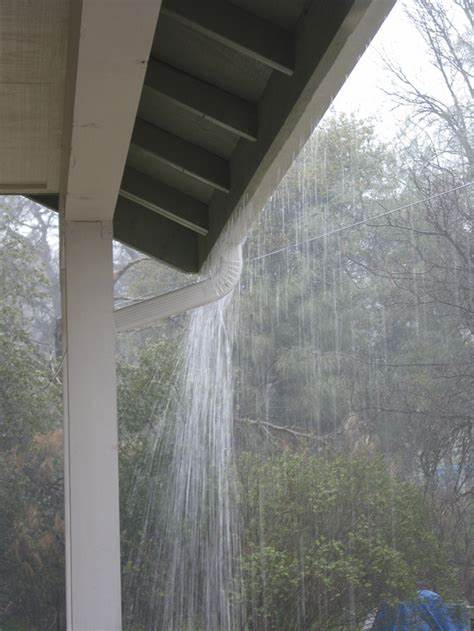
{"type": "Point", "coordinates": [91, 485]}
{"type": "Point", "coordinates": [182, 155]}
{"type": "Point", "coordinates": [148, 232]}
{"type": "Point", "coordinates": [221, 108]}
{"type": "Point", "coordinates": [165, 201]}
{"type": "Point", "coordinates": [110, 44]}
{"type": "Point", "coordinates": [232, 26]}
{"type": "Point", "coordinates": [48, 200]}
{"type": "Point", "coordinates": [155, 236]}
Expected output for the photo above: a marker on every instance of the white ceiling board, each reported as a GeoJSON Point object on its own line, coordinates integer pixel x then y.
{"type": "Point", "coordinates": [33, 45]}
{"type": "Point", "coordinates": [33, 36]}
{"type": "Point", "coordinates": [24, 136]}
{"type": "Point", "coordinates": [114, 39]}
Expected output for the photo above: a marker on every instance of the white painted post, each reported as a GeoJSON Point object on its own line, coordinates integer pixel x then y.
{"type": "Point", "coordinates": [90, 428]}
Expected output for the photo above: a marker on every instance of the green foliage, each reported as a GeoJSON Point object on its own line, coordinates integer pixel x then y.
{"type": "Point", "coordinates": [31, 493]}
{"type": "Point", "coordinates": [32, 531]}
{"type": "Point", "coordinates": [143, 389]}
{"type": "Point", "coordinates": [364, 335]}
{"type": "Point", "coordinates": [327, 538]}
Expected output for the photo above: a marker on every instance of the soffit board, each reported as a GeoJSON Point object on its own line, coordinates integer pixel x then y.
{"type": "Point", "coordinates": [231, 93]}
{"type": "Point", "coordinates": [33, 47]}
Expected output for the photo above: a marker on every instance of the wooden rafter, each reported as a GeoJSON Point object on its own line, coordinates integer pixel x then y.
{"type": "Point", "coordinates": [237, 29]}
{"type": "Point", "coordinates": [221, 108]}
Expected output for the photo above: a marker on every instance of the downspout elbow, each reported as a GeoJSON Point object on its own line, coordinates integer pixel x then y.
{"type": "Point", "coordinates": [172, 303]}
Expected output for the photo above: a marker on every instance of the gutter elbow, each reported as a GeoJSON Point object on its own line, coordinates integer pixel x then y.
{"type": "Point", "coordinates": [172, 303]}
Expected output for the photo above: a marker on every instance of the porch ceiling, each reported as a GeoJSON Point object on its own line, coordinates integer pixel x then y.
{"type": "Point", "coordinates": [33, 46]}
{"type": "Point", "coordinates": [231, 90]}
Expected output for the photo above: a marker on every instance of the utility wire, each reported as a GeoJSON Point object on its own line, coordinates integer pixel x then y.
{"type": "Point", "coordinates": [361, 222]}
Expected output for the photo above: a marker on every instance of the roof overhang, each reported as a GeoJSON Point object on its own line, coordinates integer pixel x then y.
{"type": "Point", "coordinates": [169, 119]}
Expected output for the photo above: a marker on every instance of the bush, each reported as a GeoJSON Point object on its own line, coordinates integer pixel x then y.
{"type": "Point", "coordinates": [327, 538]}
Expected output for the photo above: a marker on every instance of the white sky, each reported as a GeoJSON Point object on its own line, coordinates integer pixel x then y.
{"type": "Point", "coordinates": [398, 40]}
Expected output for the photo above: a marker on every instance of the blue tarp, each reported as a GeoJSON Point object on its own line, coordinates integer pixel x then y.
{"type": "Point", "coordinates": [427, 613]}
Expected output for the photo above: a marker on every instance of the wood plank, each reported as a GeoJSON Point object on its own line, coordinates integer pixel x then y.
{"type": "Point", "coordinates": [246, 33]}
{"type": "Point", "coordinates": [146, 231]}
{"type": "Point", "coordinates": [209, 60]}
{"type": "Point", "coordinates": [48, 200]}
{"type": "Point", "coordinates": [157, 109]}
{"type": "Point", "coordinates": [91, 485]}
{"type": "Point", "coordinates": [110, 44]}
{"type": "Point", "coordinates": [33, 53]}
{"type": "Point", "coordinates": [182, 155]}
{"type": "Point", "coordinates": [165, 201]}
{"type": "Point", "coordinates": [223, 109]}
{"type": "Point", "coordinates": [153, 235]}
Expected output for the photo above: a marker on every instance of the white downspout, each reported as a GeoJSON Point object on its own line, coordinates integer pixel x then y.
{"type": "Point", "coordinates": [172, 303]}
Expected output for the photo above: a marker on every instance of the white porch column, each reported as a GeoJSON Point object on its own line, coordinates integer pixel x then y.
{"type": "Point", "coordinates": [108, 44]}
{"type": "Point", "coordinates": [90, 426]}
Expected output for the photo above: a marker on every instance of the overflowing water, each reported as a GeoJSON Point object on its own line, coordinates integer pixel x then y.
{"type": "Point", "coordinates": [191, 534]}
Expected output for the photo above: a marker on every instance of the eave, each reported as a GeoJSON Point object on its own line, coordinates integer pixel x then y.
{"type": "Point", "coordinates": [177, 118]}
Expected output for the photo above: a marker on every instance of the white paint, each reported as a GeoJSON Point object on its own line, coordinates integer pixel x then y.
{"type": "Point", "coordinates": [33, 45]}
{"type": "Point", "coordinates": [148, 312]}
{"type": "Point", "coordinates": [109, 54]}
{"type": "Point", "coordinates": [90, 424]}
{"type": "Point", "coordinates": [109, 45]}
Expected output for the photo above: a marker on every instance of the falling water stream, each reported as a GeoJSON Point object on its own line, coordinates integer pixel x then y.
{"type": "Point", "coordinates": [191, 532]}
{"type": "Point", "coordinates": [201, 536]}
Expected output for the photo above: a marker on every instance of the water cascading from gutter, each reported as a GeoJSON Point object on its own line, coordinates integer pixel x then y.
{"type": "Point", "coordinates": [204, 292]}
{"type": "Point", "coordinates": [225, 268]}
{"type": "Point", "coordinates": [195, 578]}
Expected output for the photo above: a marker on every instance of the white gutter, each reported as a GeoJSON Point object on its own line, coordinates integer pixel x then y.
{"type": "Point", "coordinates": [172, 303]}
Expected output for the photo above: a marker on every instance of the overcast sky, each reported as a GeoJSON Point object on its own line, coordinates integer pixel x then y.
{"type": "Point", "coordinates": [399, 41]}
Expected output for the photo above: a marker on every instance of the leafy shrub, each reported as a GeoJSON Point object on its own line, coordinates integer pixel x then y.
{"type": "Point", "coordinates": [326, 538]}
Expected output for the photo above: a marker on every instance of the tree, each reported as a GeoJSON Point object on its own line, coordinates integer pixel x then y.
{"type": "Point", "coordinates": [365, 336]}
{"type": "Point", "coordinates": [328, 538]}
{"type": "Point", "coordinates": [298, 350]}
{"type": "Point", "coordinates": [31, 490]}
{"type": "Point", "coordinates": [31, 450]}
{"type": "Point", "coordinates": [446, 113]}
{"type": "Point", "coordinates": [439, 283]}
